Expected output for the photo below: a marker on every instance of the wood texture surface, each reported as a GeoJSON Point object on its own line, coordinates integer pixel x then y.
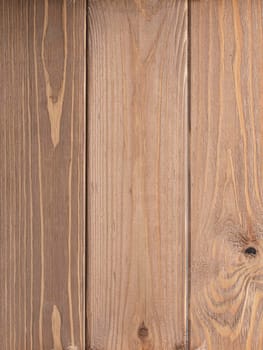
{"type": "Point", "coordinates": [137, 194]}
{"type": "Point", "coordinates": [226, 174]}
{"type": "Point", "coordinates": [42, 156]}
{"type": "Point", "coordinates": [172, 177]}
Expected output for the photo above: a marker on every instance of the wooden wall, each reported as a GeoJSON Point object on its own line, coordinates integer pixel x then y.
{"type": "Point", "coordinates": [131, 174]}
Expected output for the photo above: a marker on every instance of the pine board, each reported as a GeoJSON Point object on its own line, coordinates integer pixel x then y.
{"type": "Point", "coordinates": [42, 155]}
{"type": "Point", "coordinates": [137, 175]}
{"type": "Point", "coordinates": [226, 302]}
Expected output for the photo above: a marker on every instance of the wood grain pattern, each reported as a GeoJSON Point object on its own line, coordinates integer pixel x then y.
{"type": "Point", "coordinates": [42, 155]}
{"type": "Point", "coordinates": [226, 154]}
{"type": "Point", "coordinates": [137, 195]}
{"type": "Point", "coordinates": [138, 175]}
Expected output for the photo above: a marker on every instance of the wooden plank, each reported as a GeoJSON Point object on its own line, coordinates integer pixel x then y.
{"type": "Point", "coordinates": [42, 155]}
{"type": "Point", "coordinates": [227, 150]}
{"type": "Point", "coordinates": [137, 194]}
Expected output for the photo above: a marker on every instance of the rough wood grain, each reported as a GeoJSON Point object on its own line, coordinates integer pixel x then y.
{"type": "Point", "coordinates": [42, 155]}
{"type": "Point", "coordinates": [137, 191]}
{"type": "Point", "coordinates": [227, 166]}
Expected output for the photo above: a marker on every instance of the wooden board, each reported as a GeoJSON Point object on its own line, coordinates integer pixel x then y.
{"type": "Point", "coordinates": [226, 174]}
{"type": "Point", "coordinates": [42, 155]}
{"type": "Point", "coordinates": [137, 174]}
{"type": "Point", "coordinates": [137, 190]}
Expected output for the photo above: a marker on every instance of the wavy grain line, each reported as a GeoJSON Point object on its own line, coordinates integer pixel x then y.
{"type": "Point", "coordinates": [42, 257]}
{"type": "Point", "coordinates": [56, 328]}
{"type": "Point", "coordinates": [70, 201]}
{"type": "Point", "coordinates": [237, 80]}
{"type": "Point", "coordinates": [55, 103]}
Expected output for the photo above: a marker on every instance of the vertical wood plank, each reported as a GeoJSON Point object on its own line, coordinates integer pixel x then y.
{"type": "Point", "coordinates": [42, 155]}
{"type": "Point", "coordinates": [137, 195]}
{"type": "Point", "coordinates": [227, 150]}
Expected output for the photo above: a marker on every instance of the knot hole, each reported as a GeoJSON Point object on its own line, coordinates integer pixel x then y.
{"type": "Point", "coordinates": [143, 331]}
{"type": "Point", "coordinates": [251, 251]}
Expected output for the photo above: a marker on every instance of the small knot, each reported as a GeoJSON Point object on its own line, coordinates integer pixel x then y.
{"type": "Point", "coordinates": [54, 99]}
{"type": "Point", "coordinates": [143, 331]}
{"type": "Point", "coordinates": [251, 251]}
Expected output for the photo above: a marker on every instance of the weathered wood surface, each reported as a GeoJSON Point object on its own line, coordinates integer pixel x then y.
{"type": "Point", "coordinates": [42, 155]}
{"type": "Point", "coordinates": [137, 195]}
{"type": "Point", "coordinates": [226, 174]}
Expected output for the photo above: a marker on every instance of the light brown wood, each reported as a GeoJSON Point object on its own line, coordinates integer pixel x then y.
{"type": "Point", "coordinates": [146, 166]}
{"type": "Point", "coordinates": [226, 174]}
{"type": "Point", "coordinates": [137, 194]}
{"type": "Point", "coordinates": [42, 157]}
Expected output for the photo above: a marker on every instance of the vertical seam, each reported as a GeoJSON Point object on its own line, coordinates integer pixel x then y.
{"type": "Point", "coordinates": [188, 174]}
{"type": "Point", "coordinates": [86, 340]}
